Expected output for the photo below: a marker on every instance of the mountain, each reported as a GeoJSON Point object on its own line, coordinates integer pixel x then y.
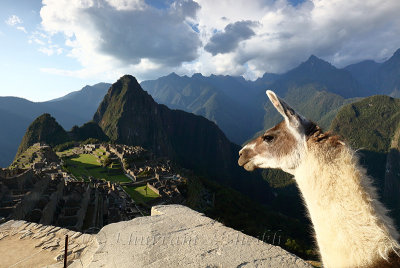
{"type": "Point", "coordinates": [321, 74]}
{"type": "Point", "coordinates": [316, 89]}
{"type": "Point", "coordinates": [369, 123]}
{"type": "Point", "coordinates": [389, 76]}
{"type": "Point", "coordinates": [266, 80]}
{"type": "Point", "coordinates": [129, 115]}
{"type": "Point", "coordinates": [312, 102]}
{"type": "Point", "coordinates": [372, 126]}
{"type": "Point", "coordinates": [89, 130]}
{"type": "Point", "coordinates": [378, 78]}
{"type": "Point", "coordinates": [366, 73]}
{"type": "Point", "coordinates": [16, 114]}
{"type": "Point", "coordinates": [43, 129]}
{"type": "Point", "coordinates": [225, 100]}
{"type": "Point", "coordinates": [11, 132]}
{"type": "Point", "coordinates": [88, 95]}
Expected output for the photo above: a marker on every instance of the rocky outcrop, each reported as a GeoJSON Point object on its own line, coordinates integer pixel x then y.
{"type": "Point", "coordinates": [174, 236]}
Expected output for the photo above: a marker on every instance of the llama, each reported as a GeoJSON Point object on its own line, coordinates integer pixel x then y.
{"type": "Point", "coordinates": [352, 228]}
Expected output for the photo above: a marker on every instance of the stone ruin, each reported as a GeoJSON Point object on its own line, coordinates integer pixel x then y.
{"type": "Point", "coordinates": [79, 206]}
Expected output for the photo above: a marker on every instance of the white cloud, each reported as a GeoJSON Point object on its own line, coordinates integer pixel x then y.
{"type": "Point", "coordinates": [21, 28]}
{"type": "Point", "coordinates": [13, 20]}
{"type": "Point", "coordinates": [51, 50]}
{"type": "Point", "coordinates": [110, 37]}
{"type": "Point", "coordinates": [46, 50]}
{"type": "Point", "coordinates": [123, 34]}
{"type": "Point", "coordinates": [342, 31]}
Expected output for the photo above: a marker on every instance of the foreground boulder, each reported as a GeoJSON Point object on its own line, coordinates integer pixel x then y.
{"type": "Point", "coordinates": [176, 236]}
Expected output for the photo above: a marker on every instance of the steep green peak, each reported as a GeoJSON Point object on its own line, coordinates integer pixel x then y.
{"type": "Point", "coordinates": [126, 88]}
{"type": "Point", "coordinates": [44, 121]}
{"type": "Point", "coordinates": [124, 100]}
{"type": "Point", "coordinates": [43, 129]}
{"type": "Point", "coordinates": [46, 117]}
{"type": "Point", "coordinates": [369, 123]}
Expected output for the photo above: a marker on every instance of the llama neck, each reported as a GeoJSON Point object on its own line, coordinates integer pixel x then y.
{"type": "Point", "coordinates": [351, 226]}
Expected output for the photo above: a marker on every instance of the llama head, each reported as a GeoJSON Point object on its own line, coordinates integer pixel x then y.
{"type": "Point", "coordinates": [282, 146]}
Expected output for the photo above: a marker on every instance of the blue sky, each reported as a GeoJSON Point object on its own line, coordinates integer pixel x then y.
{"type": "Point", "coordinates": [21, 60]}
{"type": "Point", "coordinates": [52, 47]}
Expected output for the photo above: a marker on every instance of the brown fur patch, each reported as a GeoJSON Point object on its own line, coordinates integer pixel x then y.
{"type": "Point", "coordinates": [394, 261]}
{"type": "Point", "coordinates": [315, 134]}
{"type": "Point", "coordinates": [284, 140]}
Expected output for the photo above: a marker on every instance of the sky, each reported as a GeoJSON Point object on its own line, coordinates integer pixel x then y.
{"type": "Point", "coordinates": [52, 47]}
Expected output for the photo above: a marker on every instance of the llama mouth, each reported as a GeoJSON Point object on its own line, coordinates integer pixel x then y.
{"type": "Point", "coordinates": [248, 165]}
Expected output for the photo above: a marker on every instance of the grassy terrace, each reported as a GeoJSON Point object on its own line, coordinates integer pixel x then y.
{"type": "Point", "coordinates": [139, 194]}
{"type": "Point", "coordinates": [86, 165]}
{"type": "Point", "coordinates": [100, 152]}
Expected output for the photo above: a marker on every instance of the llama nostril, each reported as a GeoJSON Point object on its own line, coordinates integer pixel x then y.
{"type": "Point", "coordinates": [240, 153]}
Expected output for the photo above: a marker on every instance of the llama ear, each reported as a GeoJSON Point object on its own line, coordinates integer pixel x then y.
{"type": "Point", "coordinates": [294, 119]}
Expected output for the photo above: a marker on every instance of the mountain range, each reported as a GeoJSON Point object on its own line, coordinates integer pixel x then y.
{"type": "Point", "coordinates": [239, 107]}
{"type": "Point", "coordinates": [315, 88]}
{"type": "Point", "coordinates": [129, 115]}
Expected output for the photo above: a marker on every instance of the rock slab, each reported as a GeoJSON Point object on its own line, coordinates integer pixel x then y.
{"type": "Point", "coordinates": [176, 236]}
{"type": "Point", "coordinates": [27, 244]}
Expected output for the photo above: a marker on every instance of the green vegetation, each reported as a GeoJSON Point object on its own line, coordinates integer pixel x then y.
{"type": "Point", "coordinates": [88, 133]}
{"type": "Point", "coordinates": [144, 173]}
{"type": "Point", "coordinates": [86, 165]}
{"type": "Point", "coordinates": [277, 178]}
{"type": "Point", "coordinates": [65, 146]}
{"type": "Point", "coordinates": [141, 194]}
{"type": "Point", "coordinates": [370, 123]}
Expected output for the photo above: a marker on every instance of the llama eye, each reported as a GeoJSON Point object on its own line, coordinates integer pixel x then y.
{"type": "Point", "coordinates": [268, 138]}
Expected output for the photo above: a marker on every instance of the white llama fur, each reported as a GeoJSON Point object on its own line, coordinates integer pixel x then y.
{"type": "Point", "coordinates": [351, 225]}
{"type": "Point", "coordinates": [352, 228]}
